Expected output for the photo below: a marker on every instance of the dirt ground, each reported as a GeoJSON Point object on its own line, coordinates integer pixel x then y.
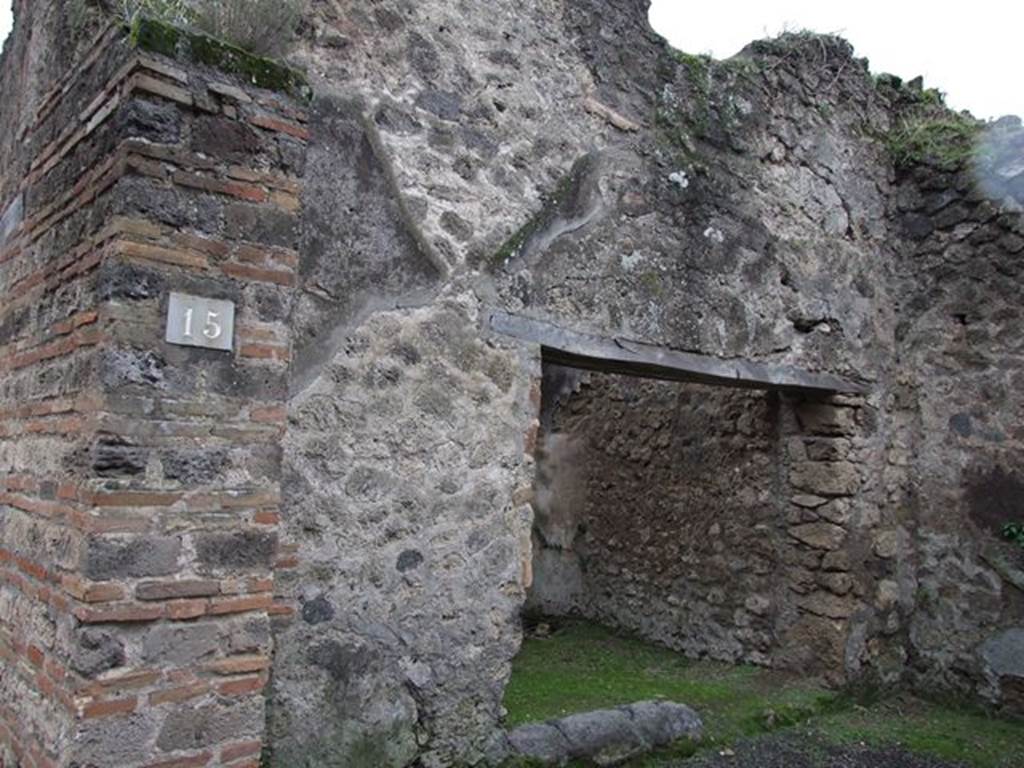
{"type": "Point", "coordinates": [792, 750]}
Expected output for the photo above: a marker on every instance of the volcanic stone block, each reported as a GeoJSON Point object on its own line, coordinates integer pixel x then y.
{"type": "Point", "coordinates": [181, 643]}
{"type": "Point", "coordinates": [96, 651]}
{"type": "Point", "coordinates": [237, 550]}
{"type": "Point", "coordinates": [827, 605]}
{"type": "Point", "coordinates": [113, 456]}
{"type": "Point", "coordinates": [107, 557]}
{"type": "Point", "coordinates": [540, 741]}
{"type": "Point", "coordinates": [1004, 653]}
{"type": "Point", "coordinates": [826, 479]}
{"type": "Point", "coordinates": [219, 721]}
{"type": "Point", "coordinates": [115, 741]}
{"type": "Point", "coordinates": [819, 535]}
{"type": "Point", "coordinates": [194, 466]}
{"type": "Point", "coordinates": [827, 420]}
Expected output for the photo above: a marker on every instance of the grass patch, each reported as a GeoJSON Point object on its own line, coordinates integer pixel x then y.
{"type": "Point", "coordinates": [948, 733]}
{"type": "Point", "coordinates": [945, 141]}
{"type": "Point", "coordinates": [582, 666]}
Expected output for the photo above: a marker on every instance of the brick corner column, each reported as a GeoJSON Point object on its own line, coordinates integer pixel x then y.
{"type": "Point", "coordinates": [139, 479]}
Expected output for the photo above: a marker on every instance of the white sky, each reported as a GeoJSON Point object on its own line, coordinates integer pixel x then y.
{"type": "Point", "coordinates": [970, 50]}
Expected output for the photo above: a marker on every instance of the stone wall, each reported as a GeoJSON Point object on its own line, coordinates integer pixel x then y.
{"type": "Point", "coordinates": [140, 481]}
{"type": "Point", "coordinates": [406, 493]}
{"type": "Point", "coordinates": [960, 408]}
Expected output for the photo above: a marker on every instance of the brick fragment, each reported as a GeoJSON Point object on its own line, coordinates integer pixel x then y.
{"type": "Point", "coordinates": [119, 614]}
{"type": "Point", "coordinates": [258, 274]}
{"type": "Point", "coordinates": [194, 761]}
{"type": "Point", "coordinates": [241, 749]}
{"type": "Point", "coordinates": [281, 126]}
{"type": "Point", "coordinates": [162, 255]}
{"type": "Point", "coordinates": [35, 655]}
{"type": "Point", "coordinates": [143, 82]}
{"type": "Point", "coordinates": [109, 707]}
{"type": "Point", "coordinates": [169, 590]}
{"type": "Point", "coordinates": [181, 610]}
{"type": "Point", "coordinates": [103, 593]}
{"type": "Point", "coordinates": [229, 91]}
{"type": "Point", "coordinates": [181, 693]}
{"type": "Point", "coordinates": [241, 605]}
{"type": "Point", "coordinates": [236, 665]}
{"type": "Point", "coordinates": [264, 352]}
{"type": "Point", "coordinates": [276, 414]}
{"type": "Point", "coordinates": [243, 686]}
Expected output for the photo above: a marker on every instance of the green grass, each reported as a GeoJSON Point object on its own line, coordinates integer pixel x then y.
{"type": "Point", "coordinates": [583, 666]}
{"type": "Point", "coordinates": [949, 733]}
{"type": "Point", "coordinates": [946, 141]}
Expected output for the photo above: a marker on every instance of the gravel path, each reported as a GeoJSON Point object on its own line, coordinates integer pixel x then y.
{"type": "Point", "coordinates": [796, 751]}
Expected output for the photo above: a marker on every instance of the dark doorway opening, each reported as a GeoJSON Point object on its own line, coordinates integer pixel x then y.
{"type": "Point", "coordinates": [657, 511]}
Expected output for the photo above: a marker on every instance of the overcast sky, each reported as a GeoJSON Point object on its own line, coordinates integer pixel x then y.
{"type": "Point", "coordinates": [970, 50]}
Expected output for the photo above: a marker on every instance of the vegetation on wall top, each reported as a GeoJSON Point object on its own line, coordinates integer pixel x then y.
{"type": "Point", "coordinates": [261, 27]}
{"type": "Point", "coordinates": [927, 131]}
{"type": "Point", "coordinates": [946, 142]}
{"type": "Point", "coordinates": [160, 37]}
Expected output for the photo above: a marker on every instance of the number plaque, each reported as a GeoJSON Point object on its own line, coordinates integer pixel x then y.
{"type": "Point", "coordinates": [197, 322]}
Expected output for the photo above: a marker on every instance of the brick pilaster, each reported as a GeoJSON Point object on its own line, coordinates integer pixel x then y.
{"type": "Point", "coordinates": [139, 481]}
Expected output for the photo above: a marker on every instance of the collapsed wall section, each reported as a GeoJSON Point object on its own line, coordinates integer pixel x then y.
{"type": "Point", "coordinates": [140, 480]}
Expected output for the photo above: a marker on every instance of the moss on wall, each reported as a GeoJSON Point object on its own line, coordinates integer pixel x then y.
{"type": "Point", "coordinates": [169, 40]}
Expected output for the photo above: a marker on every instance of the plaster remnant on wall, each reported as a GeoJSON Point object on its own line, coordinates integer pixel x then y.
{"type": "Point", "coordinates": [680, 179]}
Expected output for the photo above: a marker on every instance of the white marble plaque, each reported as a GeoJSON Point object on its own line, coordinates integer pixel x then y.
{"type": "Point", "coordinates": [197, 322]}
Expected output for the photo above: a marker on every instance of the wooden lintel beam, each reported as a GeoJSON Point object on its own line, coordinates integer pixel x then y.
{"type": "Point", "coordinates": [634, 358]}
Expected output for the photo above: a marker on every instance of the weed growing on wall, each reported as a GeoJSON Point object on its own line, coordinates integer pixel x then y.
{"type": "Point", "coordinates": [1014, 532]}
{"type": "Point", "coordinates": [945, 140]}
{"type": "Point", "coordinates": [263, 27]}
{"type": "Point", "coordinates": [171, 11]}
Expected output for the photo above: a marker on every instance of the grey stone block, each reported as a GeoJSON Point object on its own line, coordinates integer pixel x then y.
{"type": "Point", "coordinates": [317, 610]}
{"type": "Point", "coordinates": [219, 721]}
{"type": "Point", "coordinates": [244, 550]}
{"type": "Point", "coordinates": [115, 741]}
{"type": "Point", "coordinates": [11, 218]}
{"type": "Point", "coordinates": [114, 558]}
{"type": "Point", "coordinates": [181, 643]}
{"type": "Point", "coordinates": [607, 736]}
{"type": "Point", "coordinates": [96, 651]}
{"type": "Point", "coordinates": [541, 741]}
{"type": "Point", "coordinates": [1004, 653]}
{"type": "Point", "coordinates": [664, 722]}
